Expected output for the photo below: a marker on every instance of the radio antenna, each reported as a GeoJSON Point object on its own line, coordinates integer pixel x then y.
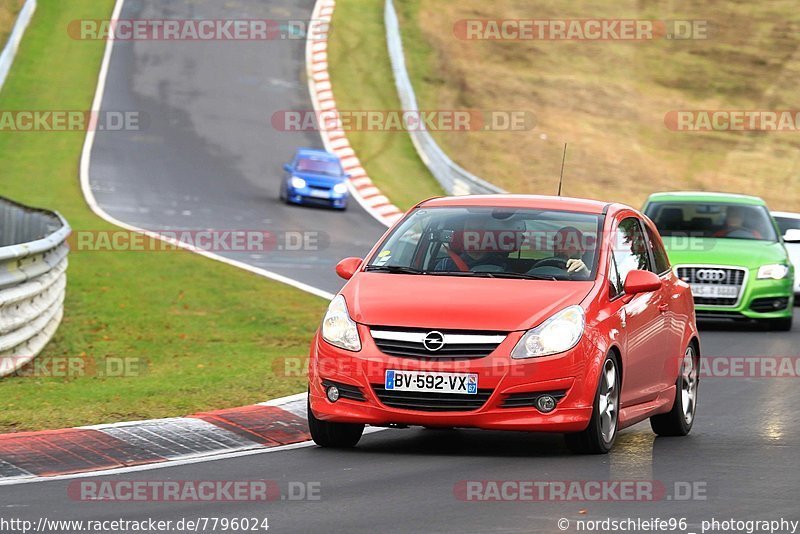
{"type": "Point", "coordinates": [561, 178]}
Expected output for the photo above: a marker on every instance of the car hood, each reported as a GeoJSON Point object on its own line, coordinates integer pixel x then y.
{"type": "Point", "coordinates": [712, 251]}
{"type": "Point", "coordinates": [450, 302]}
{"type": "Point", "coordinates": [320, 179]}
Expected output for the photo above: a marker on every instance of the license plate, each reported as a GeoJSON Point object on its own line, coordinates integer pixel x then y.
{"type": "Point", "coordinates": [715, 291]}
{"type": "Point", "coordinates": [319, 193]}
{"type": "Point", "coordinates": [464, 383]}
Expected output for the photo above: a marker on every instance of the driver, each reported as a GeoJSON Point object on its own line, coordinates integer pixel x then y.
{"type": "Point", "coordinates": [569, 246]}
{"type": "Point", "coordinates": [466, 251]}
{"type": "Point", "coordinates": [734, 222]}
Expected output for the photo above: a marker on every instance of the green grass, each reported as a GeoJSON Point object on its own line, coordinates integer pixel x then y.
{"type": "Point", "coordinates": [361, 76]}
{"type": "Point", "coordinates": [608, 100]}
{"type": "Point", "coordinates": [8, 16]}
{"type": "Point", "coordinates": [210, 333]}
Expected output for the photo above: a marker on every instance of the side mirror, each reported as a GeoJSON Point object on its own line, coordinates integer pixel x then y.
{"type": "Point", "coordinates": [641, 282]}
{"type": "Point", "coordinates": [792, 235]}
{"type": "Point", "coordinates": [287, 167]}
{"type": "Point", "coordinates": [348, 267]}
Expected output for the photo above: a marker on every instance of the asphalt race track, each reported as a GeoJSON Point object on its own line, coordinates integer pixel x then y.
{"type": "Point", "coordinates": [209, 159]}
{"type": "Point", "coordinates": [206, 155]}
{"type": "Point", "coordinates": [742, 454]}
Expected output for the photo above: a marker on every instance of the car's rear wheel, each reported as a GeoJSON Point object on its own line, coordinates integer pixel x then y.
{"type": "Point", "coordinates": [780, 325]}
{"type": "Point", "coordinates": [679, 421]}
{"type": "Point", "coordinates": [333, 435]}
{"type": "Point", "coordinates": [599, 436]}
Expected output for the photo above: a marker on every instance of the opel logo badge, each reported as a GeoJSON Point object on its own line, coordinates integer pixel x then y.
{"type": "Point", "coordinates": [711, 275]}
{"type": "Point", "coordinates": [433, 341]}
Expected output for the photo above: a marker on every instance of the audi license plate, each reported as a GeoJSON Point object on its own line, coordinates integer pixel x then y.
{"type": "Point", "coordinates": [715, 291]}
{"type": "Point", "coordinates": [464, 383]}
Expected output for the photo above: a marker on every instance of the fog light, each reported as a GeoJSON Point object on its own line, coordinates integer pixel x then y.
{"type": "Point", "coordinates": [333, 393]}
{"type": "Point", "coordinates": [546, 403]}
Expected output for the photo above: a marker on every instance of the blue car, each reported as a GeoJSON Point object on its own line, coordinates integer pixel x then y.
{"type": "Point", "coordinates": [315, 177]}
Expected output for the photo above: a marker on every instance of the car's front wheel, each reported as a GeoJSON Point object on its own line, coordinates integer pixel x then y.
{"type": "Point", "coordinates": [333, 435]}
{"type": "Point", "coordinates": [599, 436]}
{"type": "Point", "coordinates": [679, 420]}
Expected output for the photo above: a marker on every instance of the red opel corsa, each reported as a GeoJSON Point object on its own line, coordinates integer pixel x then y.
{"type": "Point", "coordinates": [510, 313]}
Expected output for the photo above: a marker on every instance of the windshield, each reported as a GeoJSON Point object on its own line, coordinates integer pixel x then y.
{"type": "Point", "coordinates": [719, 220]}
{"type": "Point", "coordinates": [492, 242]}
{"type": "Point", "coordinates": [319, 166]}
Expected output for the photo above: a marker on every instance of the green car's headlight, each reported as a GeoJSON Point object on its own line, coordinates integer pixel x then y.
{"type": "Point", "coordinates": [773, 272]}
{"type": "Point", "coordinates": [559, 333]}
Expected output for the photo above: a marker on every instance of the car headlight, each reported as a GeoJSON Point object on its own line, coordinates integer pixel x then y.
{"type": "Point", "coordinates": [340, 189]}
{"type": "Point", "coordinates": [774, 272]}
{"type": "Point", "coordinates": [559, 333]}
{"type": "Point", "coordinates": [338, 328]}
{"type": "Point", "coordinates": [298, 183]}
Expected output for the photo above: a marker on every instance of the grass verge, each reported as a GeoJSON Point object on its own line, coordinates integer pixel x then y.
{"type": "Point", "coordinates": [361, 75]}
{"type": "Point", "coordinates": [8, 16]}
{"type": "Point", "coordinates": [609, 99]}
{"type": "Point", "coordinates": [205, 335]}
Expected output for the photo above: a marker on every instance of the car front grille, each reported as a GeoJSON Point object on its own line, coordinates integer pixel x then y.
{"type": "Point", "coordinates": [454, 344]}
{"type": "Point", "coordinates": [432, 402]}
{"type": "Point", "coordinates": [709, 275]}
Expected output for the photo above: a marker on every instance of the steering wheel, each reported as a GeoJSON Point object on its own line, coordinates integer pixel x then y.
{"type": "Point", "coordinates": [560, 263]}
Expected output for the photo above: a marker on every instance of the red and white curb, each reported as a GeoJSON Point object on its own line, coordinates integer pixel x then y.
{"type": "Point", "coordinates": [53, 453]}
{"type": "Point", "coordinates": [362, 187]}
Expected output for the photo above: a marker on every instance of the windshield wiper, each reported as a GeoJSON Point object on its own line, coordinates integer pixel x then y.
{"type": "Point", "coordinates": [525, 276]}
{"type": "Point", "coordinates": [398, 269]}
{"type": "Point", "coordinates": [490, 274]}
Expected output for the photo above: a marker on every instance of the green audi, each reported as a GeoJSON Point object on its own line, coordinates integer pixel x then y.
{"type": "Point", "coordinates": [728, 249]}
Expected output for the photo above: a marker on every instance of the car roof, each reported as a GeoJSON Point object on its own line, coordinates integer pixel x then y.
{"type": "Point", "coordinates": [705, 196]}
{"type": "Point", "coordinates": [785, 214]}
{"type": "Point", "coordinates": [581, 205]}
{"type": "Point", "coordinates": [316, 153]}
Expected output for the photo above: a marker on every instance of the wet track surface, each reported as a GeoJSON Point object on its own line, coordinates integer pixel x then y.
{"type": "Point", "coordinates": [208, 159]}
{"type": "Point", "coordinates": [741, 454]}
{"type": "Point", "coordinates": [206, 154]}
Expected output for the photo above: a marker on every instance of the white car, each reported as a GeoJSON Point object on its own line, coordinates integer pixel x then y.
{"type": "Point", "coordinates": [789, 224]}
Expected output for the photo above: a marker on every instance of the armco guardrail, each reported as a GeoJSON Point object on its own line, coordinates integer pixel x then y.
{"type": "Point", "coordinates": [15, 38]}
{"type": "Point", "coordinates": [454, 179]}
{"type": "Point", "coordinates": [33, 280]}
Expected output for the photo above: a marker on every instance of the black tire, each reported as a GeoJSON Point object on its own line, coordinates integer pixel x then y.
{"type": "Point", "coordinates": [333, 435]}
{"type": "Point", "coordinates": [780, 325]}
{"type": "Point", "coordinates": [676, 422]}
{"type": "Point", "coordinates": [592, 440]}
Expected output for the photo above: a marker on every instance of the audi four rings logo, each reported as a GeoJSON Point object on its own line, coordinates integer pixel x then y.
{"type": "Point", "coordinates": [711, 275]}
{"type": "Point", "coordinates": [433, 341]}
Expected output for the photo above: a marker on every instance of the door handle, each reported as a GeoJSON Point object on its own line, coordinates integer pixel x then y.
{"type": "Point", "coordinates": [663, 308]}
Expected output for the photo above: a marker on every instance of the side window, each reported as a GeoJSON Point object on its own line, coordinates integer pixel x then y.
{"type": "Point", "coordinates": [659, 254]}
{"type": "Point", "coordinates": [614, 280]}
{"type": "Point", "coordinates": [630, 248]}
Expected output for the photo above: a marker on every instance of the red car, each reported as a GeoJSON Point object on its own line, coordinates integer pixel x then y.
{"type": "Point", "coordinates": [508, 312]}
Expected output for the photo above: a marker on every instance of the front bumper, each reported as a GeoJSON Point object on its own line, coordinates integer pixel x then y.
{"type": "Point", "coordinates": [573, 374]}
{"type": "Point", "coordinates": [305, 196]}
{"type": "Point", "coordinates": [760, 299]}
